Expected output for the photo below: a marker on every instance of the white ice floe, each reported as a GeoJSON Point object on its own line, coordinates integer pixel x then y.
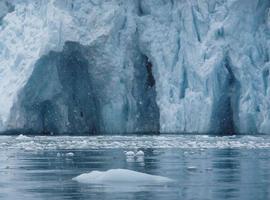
{"type": "Point", "coordinates": [140, 154]}
{"type": "Point", "coordinates": [130, 154]}
{"type": "Point", "coordinates": [121, 177]}
{"type": "Point", "coordinates": [135, 157]}
{"type": "Point", "coordinates": [22, 137]}
{"type": "Point", "coordinates": [70, 154]}
{"type": "Point", "coordinates": [130, 159]}
{"type": "Point", "coordinates": [191, 168]}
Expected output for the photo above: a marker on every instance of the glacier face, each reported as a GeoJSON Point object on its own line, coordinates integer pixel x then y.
{"type": "Point", "coordinates": [120, 66]}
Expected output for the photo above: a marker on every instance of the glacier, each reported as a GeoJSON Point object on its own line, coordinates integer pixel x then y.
{"type": "Point", "coordinates": [125, 66]}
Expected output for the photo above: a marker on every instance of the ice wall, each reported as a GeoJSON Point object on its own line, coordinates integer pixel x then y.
{"type": "Point", "coordinates": [121, 66]}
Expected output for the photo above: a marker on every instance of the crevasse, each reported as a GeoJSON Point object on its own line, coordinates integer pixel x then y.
{"type": "Point", "coordinates": [123, 66]}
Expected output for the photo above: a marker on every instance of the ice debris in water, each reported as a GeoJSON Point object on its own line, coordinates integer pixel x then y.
{"type": "Point", "coordinates": [191, 168]}
{"type": "Point", "coordinates": [22, 137]}
{"type": "Point", "coordinates": [188, 143]}
{"type": "Point", "coordinates": [140, 154]}
{"type": "Point", "coordinates": [70, 154]}
{"type": "Point", "coordinates": [130, 154]}
{"type": "Point", "coordinates": [121, 176]}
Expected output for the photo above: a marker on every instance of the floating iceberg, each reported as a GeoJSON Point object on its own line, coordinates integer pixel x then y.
{"type": "Point", "coordinates": [121, 177]}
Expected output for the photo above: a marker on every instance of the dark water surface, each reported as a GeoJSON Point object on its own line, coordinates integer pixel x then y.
{"type": "Point", "coordinates": [204, 168]}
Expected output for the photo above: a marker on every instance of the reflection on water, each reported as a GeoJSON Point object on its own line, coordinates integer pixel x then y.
{"type": "Point", "coordinates": [228, 173]}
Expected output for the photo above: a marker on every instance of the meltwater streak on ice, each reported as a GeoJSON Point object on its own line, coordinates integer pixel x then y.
{"type": "Point", "coordinates": [39, 143]}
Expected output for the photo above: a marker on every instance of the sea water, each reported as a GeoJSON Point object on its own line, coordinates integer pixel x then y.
{"type": "Point", "coordinates": [203, 167]}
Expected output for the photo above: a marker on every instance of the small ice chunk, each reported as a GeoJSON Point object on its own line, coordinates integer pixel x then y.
{"type": "Point", "coordinates": [58, 154]}
{"type": "Point", "coordinates": [121, 177]}
{"type": "Point", "coordinates": [192, 168]}
{"type": "Point", "coordinates": [22, 137]}
{"type": "Point", "coordinates": [130, 154]}
{"type": "Point", "coordinates": [140, 153]}
{"type": "Point", "coordinates": [130, 159]}
{"type": "Point", "coordinates": [140, 159]}
{"type": "Point", "coordinates": [29, 148]}
{"type": "Point", "coordinates": [70, 154]}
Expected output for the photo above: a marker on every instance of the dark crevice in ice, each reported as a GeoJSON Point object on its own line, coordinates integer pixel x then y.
{"type": "Point", "coordinates": [265, 80]}
{"type": "Point", "coordinates": [184, 84]}
{"type": "Point", "coordinates": [195, 25]}
{"type": "Point", "coordinates": [226, 111]}
{"type": "Point", "coordinates": [225, 107]}
{"type": "Point", "coordinates": [150, 78]}
{"type": "Point", "coordinates": [145, 93]}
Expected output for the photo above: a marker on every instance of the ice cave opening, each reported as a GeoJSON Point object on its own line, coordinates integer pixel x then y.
{"type": "Point", "coordinates": [64, 95]}
{"type": "Point", "coordinates": [59, 95]}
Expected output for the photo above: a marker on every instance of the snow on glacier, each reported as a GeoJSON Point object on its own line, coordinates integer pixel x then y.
{"type": "Point", "coordinates": [169, 66]}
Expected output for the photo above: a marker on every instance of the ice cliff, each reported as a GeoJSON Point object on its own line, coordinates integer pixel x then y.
{"type": "Point", "coordinates": [120, 66]}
